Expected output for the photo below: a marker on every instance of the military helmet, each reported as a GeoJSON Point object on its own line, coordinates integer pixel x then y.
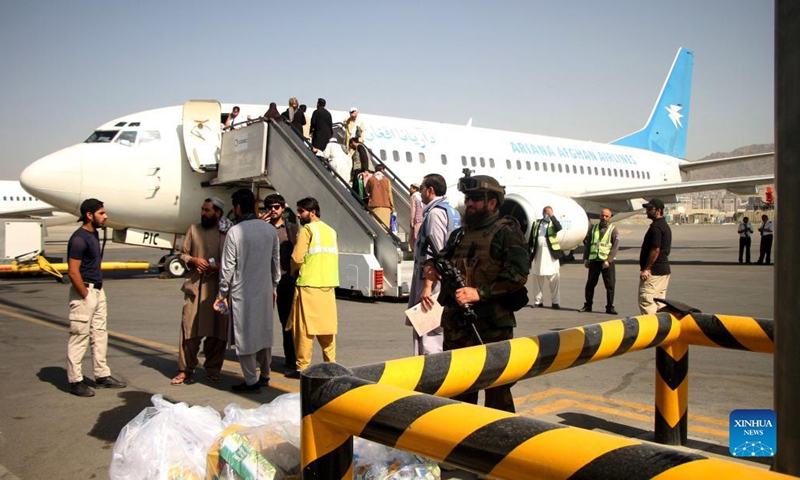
{"type": "Point", "coordinates": [482, 183]}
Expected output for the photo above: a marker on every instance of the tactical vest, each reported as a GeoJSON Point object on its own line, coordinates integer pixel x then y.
{"type": "Point", "coordinates": [600, 247]}
{"type": "Point", "coordinates": [551, 235]}
{"type": "Point", "coordinates": [472, 257]}
{"type": "Point", "coordinates": [321, 264]}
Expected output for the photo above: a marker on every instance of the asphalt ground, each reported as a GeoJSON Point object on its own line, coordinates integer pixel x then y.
{"type": "Point", "coordinates": [47, 433]}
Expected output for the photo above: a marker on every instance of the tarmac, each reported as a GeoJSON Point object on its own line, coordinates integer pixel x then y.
{"type": "Point", "coordinates": [47, 433]}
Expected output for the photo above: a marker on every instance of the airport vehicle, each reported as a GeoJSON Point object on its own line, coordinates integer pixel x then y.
{"type": "Point", "coordinates": [154, 168]}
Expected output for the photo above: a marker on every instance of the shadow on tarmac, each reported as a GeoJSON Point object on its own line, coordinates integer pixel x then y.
{"type": "Point", "coordinates": [56, 376]}
{"type": "Point", "coordinates": [110, 422]}
{"type": "Point", "coordinates": [589, 422]}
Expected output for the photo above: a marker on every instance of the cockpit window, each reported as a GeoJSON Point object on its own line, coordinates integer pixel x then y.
{"type": "Point", "coordinates": [149, 136]}
{"type": "Point", "coordinates": [120, 124]}
{"type": "Point", "coordinates": [127, 138]}
{"type": "Point", "coordinates": [101, 136]}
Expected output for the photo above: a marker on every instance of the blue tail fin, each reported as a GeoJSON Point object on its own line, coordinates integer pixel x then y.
{"type": "Point", "coordinates": [665, 131]}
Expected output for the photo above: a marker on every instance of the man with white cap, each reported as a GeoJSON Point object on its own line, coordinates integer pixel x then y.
{"type": "Point", "coordinates": [354, 128]}
{"type": "Point", "coordinates": [201, 252]}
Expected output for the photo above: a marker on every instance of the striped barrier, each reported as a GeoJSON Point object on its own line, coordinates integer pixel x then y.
{"type": "Point", "coordinates": [336, 406]}
{"type": "Point", "coordinates": [452, 373]}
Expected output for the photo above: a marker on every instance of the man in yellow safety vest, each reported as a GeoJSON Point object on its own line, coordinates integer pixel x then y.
{"type": "Point", "coordinates": [600, 249]}
{"type": "Point", "coordinates": [315, 261]}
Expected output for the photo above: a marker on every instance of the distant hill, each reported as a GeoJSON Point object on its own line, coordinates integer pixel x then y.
{"type": "Point", "coordinates": [748, 150]}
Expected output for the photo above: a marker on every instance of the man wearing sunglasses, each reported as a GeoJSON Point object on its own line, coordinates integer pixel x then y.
{"type": "Point", "coordinates": [493, 261]}
{"type": "Point", "coordinates": [654, 258]}
{"type": "Point", "coordinates": [274, 206]}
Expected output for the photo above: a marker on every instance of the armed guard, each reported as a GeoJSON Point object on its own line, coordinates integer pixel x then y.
{"type": "Point", "coordinates": [490, 253]}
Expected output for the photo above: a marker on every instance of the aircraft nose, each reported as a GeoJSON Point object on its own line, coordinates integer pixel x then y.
{"type": "Point", "coordinates": [55, 179]}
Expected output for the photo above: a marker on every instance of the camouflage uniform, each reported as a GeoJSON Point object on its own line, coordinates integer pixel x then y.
{"type": "Point", "coordinates": [493, 258]}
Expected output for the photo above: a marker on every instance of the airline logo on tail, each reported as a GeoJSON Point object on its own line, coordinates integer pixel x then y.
{"type": "Point", "coordinates": [675, 116]}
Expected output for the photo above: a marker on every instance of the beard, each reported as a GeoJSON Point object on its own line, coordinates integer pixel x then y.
{"type": "Point", "coordinates": [208, 223]}
{"type": "Point", "coordinates": [475, 217]}
{"type": "Point", "coordinates": [304, 220]}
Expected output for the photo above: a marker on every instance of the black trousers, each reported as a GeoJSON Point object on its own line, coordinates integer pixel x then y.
{"type": "Point", "coordinates": [285, 300]}
{"type": "Point", "coordinates": [744, 246]}
{"type": "Point", "coordinates": [609, 280]}
{"type": "Point", "coordinates": [765, 251]}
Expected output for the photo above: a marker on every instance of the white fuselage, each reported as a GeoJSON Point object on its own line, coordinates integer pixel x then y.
{"type": "Point", "coordinates": [147, 183]}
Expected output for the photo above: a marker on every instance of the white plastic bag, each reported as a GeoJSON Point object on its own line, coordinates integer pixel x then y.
{"type": "Point", "coordinates": [166, 441]}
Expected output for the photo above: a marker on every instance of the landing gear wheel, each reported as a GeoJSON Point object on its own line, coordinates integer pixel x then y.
{"type": "Point", "coordinates": [174, 266]}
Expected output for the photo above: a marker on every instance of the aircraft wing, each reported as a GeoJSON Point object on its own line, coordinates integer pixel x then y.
{"type": "Point", "coordinates": [716, 162]}
{"type": "Point", "coordinates": [738, 184]}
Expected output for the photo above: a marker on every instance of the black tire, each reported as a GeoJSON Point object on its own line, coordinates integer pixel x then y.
{"type": "Point", "coordinates": [174, 267]}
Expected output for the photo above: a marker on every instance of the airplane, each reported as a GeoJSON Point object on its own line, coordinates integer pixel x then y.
{"type": "Point", "coordinates": [153, 181]}
{"type": "Point", "coordinates": [15, 202]}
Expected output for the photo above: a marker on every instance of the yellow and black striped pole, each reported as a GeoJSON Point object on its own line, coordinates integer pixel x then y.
{"type": "Point", "coordinates": [672, 394]}
{"type": "Point", "coordinates": [728, 331]}
{"type": "Point", "coordinates": [471, 369]}
{"type": "Point", "coordinates": [337, 406]}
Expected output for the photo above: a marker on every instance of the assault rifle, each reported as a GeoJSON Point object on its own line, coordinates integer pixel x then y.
{"type": "Point", "coordinates": [452, 281]}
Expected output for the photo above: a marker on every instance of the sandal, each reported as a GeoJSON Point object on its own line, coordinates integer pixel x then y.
{"type": "Point", "coordinates": [182, 378]}
{"type": "Point", "coordinates": [214, 377]}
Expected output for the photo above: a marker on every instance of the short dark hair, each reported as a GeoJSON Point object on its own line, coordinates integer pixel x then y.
{"type": "Point", "coordinates": [90, 205]}
{"type": "Point", "coordinates": [245, 199]}
{"type": "Point", "coordinates": [435, 181]}
{"type": "Point", "coordinates": [274, 198]}
{"type": "Point", "coordinates": [309, 204]}
{"type": "Point", "coordinates": [321, 102]}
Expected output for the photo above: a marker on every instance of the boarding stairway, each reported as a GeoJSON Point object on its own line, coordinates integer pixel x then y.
{"type": "Point", "coordinates": [372, 260]}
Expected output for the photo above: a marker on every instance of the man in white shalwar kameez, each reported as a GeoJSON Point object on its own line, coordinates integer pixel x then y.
{"type": "Point", "coordinates": [545, 255]}
{"type": "Point", "coordinates": [250, 271]}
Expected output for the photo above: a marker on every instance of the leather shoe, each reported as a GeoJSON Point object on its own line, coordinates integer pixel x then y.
{"type": "Point", "coordinates": [585, 309]}
{"type": "Point", "coordinates": [245, 388]}
{"type": "Point", "coordinates": [263, 381]}
{"type": "Point", "coordinates": [611, 311]}
{"type": "Point", "coordinates": [556, 306]}
{"type": "Point", "coordinates": [292, 374]}
{"type": "Point", "coordinates": [80, 389]}
{"type": "Point", "coordinates": [109, 382]}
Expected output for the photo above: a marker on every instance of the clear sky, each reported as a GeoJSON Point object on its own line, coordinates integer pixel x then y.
{"type": "Point", "coordinates": [589, 70]}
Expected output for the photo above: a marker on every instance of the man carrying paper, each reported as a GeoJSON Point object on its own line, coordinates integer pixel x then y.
{"type": "Point", "coordinates": [439, 219]}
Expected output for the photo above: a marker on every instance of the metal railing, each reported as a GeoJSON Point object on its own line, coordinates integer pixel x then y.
{"type": "Point", "coordinates": [400, 403]}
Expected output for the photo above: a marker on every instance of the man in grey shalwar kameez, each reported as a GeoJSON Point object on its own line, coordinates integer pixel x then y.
{"type": "Point", "coordinates": [250, 271]}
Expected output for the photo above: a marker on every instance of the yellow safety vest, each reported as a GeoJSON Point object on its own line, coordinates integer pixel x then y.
{"type": "Point", "coordinates": [321, 264]}
{"type": "Point", "coordinates": [600, 248]}
{"type": "Point", "coordinates": [551, 235]}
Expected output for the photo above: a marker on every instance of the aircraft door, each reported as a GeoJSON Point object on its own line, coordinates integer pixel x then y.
{"type": "Point", "coordinates": [201, 134]}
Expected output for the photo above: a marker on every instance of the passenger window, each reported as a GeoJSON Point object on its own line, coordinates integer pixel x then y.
{"type": "Point", "coordinates": [463, 160]}
{"type": "Point", "coordinates": [648, 175]}
{"type": "Point", "coordinates": [491, 162]}
{"type": "Point", "coordinates": [408, 157]}
{"type": "Point", "coordinates": [519, 165]}
{"type": "Point", "coordinates": [536, 166]}
{"type": "Point", "coordinates": [574, 169]}
{"type": "Point", "coordinates": [395, 155]}
{"type": "Point", "coordinates": [149, 136]}
{"type": "Point", "coordinates": [528, 165]}
{"type": "Point", "coordinates": [508, 164]}
{"type": "Point", "coordinates": [581, 169]}
{"type": "Point", "coordinates": [421, 157]}
{"type": "Point", "coordinates": [545, 166]}
{"type": "Point", "coordinates": [604, 171]}
{"type": "Point", "coordinates": [627, 174]}
{"type": "Point", "coordinates": [383, 155]}
{"type": "Point", "coordinates": [553, 167]}
{"type": "Point", "coordinates": [444, 159]}
{"type": "Point", "coordinates": [483, 162]}
{"type": "Point", "coordinates": [595, 170]}
{"type": "Point", "coordinates": [559, 168]}
{"type": "Point", "coordinates": [127, 138]}
{"type": "Point", "coordinates": [473, 162]}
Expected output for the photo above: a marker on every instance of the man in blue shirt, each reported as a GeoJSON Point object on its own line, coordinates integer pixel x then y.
{"type": "Point", "coordinates": [87, 302]}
